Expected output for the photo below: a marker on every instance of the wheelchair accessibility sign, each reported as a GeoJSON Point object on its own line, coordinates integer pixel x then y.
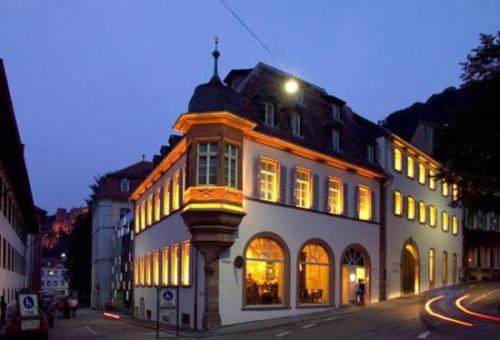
{"type": "Point", "coordinates": [168, 298]}
{"type": "Point", "coordinates": [28, 305]}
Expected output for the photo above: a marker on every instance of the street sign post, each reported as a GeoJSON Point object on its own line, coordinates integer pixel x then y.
{"type": "Point", "coordinates": [29, 310]}
{"type": "Point", "coordinates": [167, 299]}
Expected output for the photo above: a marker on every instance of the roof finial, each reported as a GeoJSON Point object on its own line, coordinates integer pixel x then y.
{"type": "Point", "coordinates": [143, 158]}
{"type": "Point", "coordinates": [216, 55]}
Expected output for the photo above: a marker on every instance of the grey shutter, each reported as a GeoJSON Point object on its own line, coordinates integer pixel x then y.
{"type": "Point", "coordinates": [256, 177]}
{"type": "Point", "coordinates": [283, 184]}
{"type": "Point", "coordinates": [292, 187]}
{"type": "Point", "coordinates": [356, 201]}
{"type": "Point", "coordinates": [373, 205]}
{"type": "Point", "coordinates": [327, 192]}
{"type": "Point", "coordinates": [315, 183]}
{"type": "Point", "coordinates": [345, 197]}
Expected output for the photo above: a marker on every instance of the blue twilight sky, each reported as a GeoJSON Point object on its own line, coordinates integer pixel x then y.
{"type": "Point", "coordinates": [98, 83]}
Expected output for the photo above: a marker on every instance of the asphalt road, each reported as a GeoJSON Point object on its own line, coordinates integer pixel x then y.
{"type": "Point", "coordinates": [404, 318]}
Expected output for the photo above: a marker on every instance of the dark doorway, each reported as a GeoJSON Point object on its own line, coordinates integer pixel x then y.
{"type": "Point", "coordinates": [408, 272]}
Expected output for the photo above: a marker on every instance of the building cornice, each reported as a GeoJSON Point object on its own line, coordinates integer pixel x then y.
{"type": "Point", "coordinates": [414, 150]}
{"type": "Point", "coordinates": [187, 120]}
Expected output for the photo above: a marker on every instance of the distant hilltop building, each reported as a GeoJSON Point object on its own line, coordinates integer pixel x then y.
{"type": "Point", "coordinates": [60, 223]}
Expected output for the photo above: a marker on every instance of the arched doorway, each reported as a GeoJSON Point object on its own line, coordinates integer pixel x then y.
{"type": "Point", "coordinates": [142, 309]}
{"type": "Point", "coordinates": [355, 266]}
{"type": "Point", "coordinates": [410, 268]}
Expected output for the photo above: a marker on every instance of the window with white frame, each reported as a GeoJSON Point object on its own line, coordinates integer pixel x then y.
{"type": "Point", "coordinates": [268, 180]}
{"type": "Point", "coordinates": [335, 112]}
{"type": "Point", "coordinates": [303, 188]}
{"type": "Point", "coordinates": [335, 195]}
{"type": "Point", "coordinates": [269, 114]}
{"type": "Point", "coordinates": [364, 203]}
{"type": "Point", "coordinates": [231, 166]}
{"type": "Point", "coordinates": [295, 123]}
{"type": "Point", "coordinates": [207, 164]}
{"type": "Point", "coordinates": [336, 139]}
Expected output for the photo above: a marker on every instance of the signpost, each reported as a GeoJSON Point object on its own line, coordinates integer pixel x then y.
{"type": "Point", "coordinates": [167, 299]}
{"type": "Point", "coordinates": [29, 310]}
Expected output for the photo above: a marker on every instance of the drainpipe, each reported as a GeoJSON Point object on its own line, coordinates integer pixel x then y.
{"type": "Point", "coordinates": [383, 243]}
{"type": "Point", "coordinates": [196, 289]}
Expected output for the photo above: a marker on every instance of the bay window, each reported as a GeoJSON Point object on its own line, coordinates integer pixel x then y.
{"type": "Point", "coordinates": [231, 166]}
{"type": "Point", "coordinates": [206, 172]}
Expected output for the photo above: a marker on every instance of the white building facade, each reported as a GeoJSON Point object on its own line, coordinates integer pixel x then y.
{"type": "Point", "coordinates": [54, 278]}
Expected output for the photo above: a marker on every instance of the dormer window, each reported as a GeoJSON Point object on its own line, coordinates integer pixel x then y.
{"type": "Point", "coordinates": [299, 97]}
{"type": "Point", "coordinates": [295, 124]}
{"type": "Point", "coordinates": [125, 185]}
{"type": "Point", "coordinates": [371, 153]}
{"type": "Point", "coordinates": [336, 112]}
{"type": "Point", "coordinates": [336, 139]}
{"type": "Point", "coordinates": [269, 114]}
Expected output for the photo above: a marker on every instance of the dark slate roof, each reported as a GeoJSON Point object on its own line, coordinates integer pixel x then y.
{"type": "Point", "coordinates": [265, 83]}
{"type": "Point", "coordinates": [12, 154]}
{"type": "Point", "coordinates": [136, 173]}
{"type": "Point", "coordinates": [214, 96]}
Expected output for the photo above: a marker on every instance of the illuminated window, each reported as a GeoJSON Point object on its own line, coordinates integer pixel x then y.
{"type": "Point", "coordinates": [174, 268]}
{"type": "Point", "coordinates": [432, 180]}
{"type": "Point", "coordinates": [157, 204]}
{"type": "Point", "coordinates": [268, 180]}
{"type": "Point", "coordinates": [421, 173]}
{"type": "Point", "coordinates": [364, 203]}
{"type": "Point", "coordinates": [141, 271]}
{"type": "Point", "coordinates": [186, 263]}
{"type": "Point", "coordinates": [410, 213]}
{"type": "Point", "coordinates": [137, 221]}
{"type": "Point", "coordinates": [432, 216]}
{"type": "Point", "coordinates": [136, 271]}
{"type": "Point", "coordinates": [398, 160]}
{"type": "Point", "coordinates": [164, 266]}
{"type": "Point", "coordinates": [269, 114]}
{"type": "Point", "coordinates": [445, 267]}
{"type": "Point", "coordinates": [264, 270]}
{"type": "Point", "coordinates": [444, 188]}
{"type": "Point", "coordinates": [148, 269]}
{"type": "Point", "coordinates": [143, 214]}
{"type": "Point", "coordinates": [303, 188]}
{"type": "Point", "coordinates": [445, 220]}
{"type": "Point", "coordinates": [421, 212]}
{"type": "Point", "coordinates": [166, 198]}
{"type": "Point", "coordinates": [231, 166]}
{"type": "Point", "coordinates": [313, 274]}
{"type": "Point", "coordinates": [454, 268]}
{"type": "Point", "coordinates": [175, 191]}
{"type": "Point", "coordinates": [454, 225]}
{"type": "Point", "coordinates": [150, 210]}
{"type": "Point", "coordinates": [454, 192]}
{"type": "Point", "coordinates": [207, 164]}
{"type": "Point", "coordinates": [398, 203]}
{"type": "Point", "coordinates": [156, 268]}
{"type": "Point", "coordinates": [335, 195]}
{"type": "Point", "coordinates": [432, 266]}
{"type": "Point", "coordinates": [335, 139]}
{"type": "Point", "coordinates": [295, 123]}
{"type": "Point", "coordinates": [410, 167]}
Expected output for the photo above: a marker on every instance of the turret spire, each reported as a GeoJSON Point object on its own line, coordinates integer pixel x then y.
{"type": "Point", "coordinates": [216, 55]}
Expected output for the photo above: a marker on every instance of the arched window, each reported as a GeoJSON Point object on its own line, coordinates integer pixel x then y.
{"type": "Point", "coordinates": [264, 270]}
{"type": "Point", "coordinates": [314, 265]}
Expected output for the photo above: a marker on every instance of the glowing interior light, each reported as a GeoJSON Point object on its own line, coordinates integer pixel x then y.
{"type": "Point", "coordinates": [291, 86]}
{"type": "Point", "coordinates": [352, 277]}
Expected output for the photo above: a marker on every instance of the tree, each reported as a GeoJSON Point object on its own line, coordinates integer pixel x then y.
{"type": "Point", "coordinates": [470, 144]}
{"type": "Point", "coordinates": [78, 260]}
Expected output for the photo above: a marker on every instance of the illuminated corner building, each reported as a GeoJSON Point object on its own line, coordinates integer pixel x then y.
{"type": "Point", "coordinates": [109, 206]}
{"type": "Point", "coordinates": [268, 206]}
{"type": "Point", "coordinates": [18, 216]}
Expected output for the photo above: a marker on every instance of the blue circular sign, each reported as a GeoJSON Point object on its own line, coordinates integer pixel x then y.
{"type": "Point", "coordinates": [167, 295]}
{"type": "Point", "coordinates": [28, 302]}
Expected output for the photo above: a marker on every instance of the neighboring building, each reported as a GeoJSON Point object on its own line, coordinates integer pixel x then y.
{"type": "Point", "coordinates": [54, 278]}
{"type": "Point", "coordinates": [17, 212]}
{"type": "Point", "coordinates": [34, 253]}
{"type": "Point", "coordinates": [276, 202]}
{"type": "Point", "coordinates": [121, 269]}
{"type": "Point", "coordinates": [110, 205]}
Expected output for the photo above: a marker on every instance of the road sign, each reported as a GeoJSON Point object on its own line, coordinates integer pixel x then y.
{"type": "Point", "coordinates": [168, 298]}
{"type": "Point", "coordinates": [28, 306]}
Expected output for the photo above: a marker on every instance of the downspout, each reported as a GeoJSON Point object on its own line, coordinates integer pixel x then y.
{"type": "Point", "coordinates": [383, 243]}
{"type": "Point", "coordinates": [195, 289]}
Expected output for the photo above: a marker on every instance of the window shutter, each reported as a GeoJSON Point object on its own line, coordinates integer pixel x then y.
{"type": "Point", "coordinates": [404, 205]}
{"type": "Point", "coordinates": [356, 201]}
{"type": "Point", "coordinates": [181, 186]}
{"type": "Point", "coordinates": [256, 178]}
{"type": "Point", "coordinates": [373, 205]}
{"type": "Point", "coordinates": [161, 200]}
{"type": "Point", "coordinates": [292, 187]}
{"type": "Point", "coordinates": [283, 184]}
{"type": "Point", "coordinates": [327, 192]}
{"type": "Point", "coordinates": [346, 199]}
{"type": "Point", "coordinates": [170, 200]}
{"type": "Point", "coordinates": [315, 183]}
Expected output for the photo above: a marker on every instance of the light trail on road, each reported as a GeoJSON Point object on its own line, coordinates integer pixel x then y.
{"type": "Point", "coordinates": [458, 303]}
{"type": "Point", "coordinates": [429, 310]}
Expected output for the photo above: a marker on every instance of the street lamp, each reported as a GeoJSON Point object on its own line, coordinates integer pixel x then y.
{"type": "Point", "coordinates": [63, 256]}
{"type": "Point", "coordinates": [291, 86]}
